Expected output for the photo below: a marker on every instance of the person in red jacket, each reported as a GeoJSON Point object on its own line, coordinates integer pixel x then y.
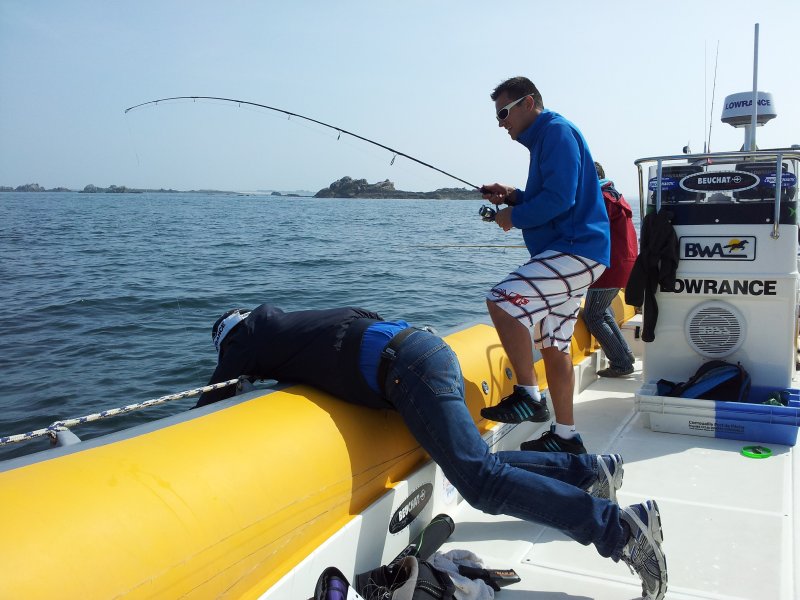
{"type": "Point", "coordinates": [597, 313]}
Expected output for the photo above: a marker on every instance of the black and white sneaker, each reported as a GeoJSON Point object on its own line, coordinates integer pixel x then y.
{"type": "Point", "coordinates": [642, 552]}
{"type": "Point", "coordinates": [517, 407]}
{"type": "Point", "coordinates": [551, 442]}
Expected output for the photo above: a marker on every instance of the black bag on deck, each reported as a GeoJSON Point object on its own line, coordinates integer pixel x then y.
{"type": "Point", "coordinates": [406, 579]}
{"type": "Point", "coordinates": [714, 380]}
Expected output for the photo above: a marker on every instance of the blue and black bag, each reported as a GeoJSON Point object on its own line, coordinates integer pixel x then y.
{"type": "Point", "coordinates": [714, 380]}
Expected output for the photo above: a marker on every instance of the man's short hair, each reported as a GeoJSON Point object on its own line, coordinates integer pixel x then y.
{"type": "Point", "coordinates": [516, 88]}
{"type": "Point", "coordinates": [601, 174]}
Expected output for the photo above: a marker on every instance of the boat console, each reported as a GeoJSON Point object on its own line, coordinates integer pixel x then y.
{"type": "Point", "coordinates": [736, 291]}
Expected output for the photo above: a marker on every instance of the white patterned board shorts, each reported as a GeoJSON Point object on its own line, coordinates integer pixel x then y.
{"type": "Point", "coordinates": [545, 294]}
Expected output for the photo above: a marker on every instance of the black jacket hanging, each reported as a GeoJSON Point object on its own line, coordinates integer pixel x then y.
{"type": "Point", "coordinates": [656, 265]}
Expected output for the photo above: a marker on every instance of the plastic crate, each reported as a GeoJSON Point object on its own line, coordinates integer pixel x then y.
{"type": "Point", "coordinates": [745, 421]}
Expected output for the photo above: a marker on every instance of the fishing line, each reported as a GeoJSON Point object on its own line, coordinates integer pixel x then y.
{"type": "Point", "coordinates": [290, 114]}
{"type": "Point", "coordinates": [198, 365]}
{"type": "Point", "coordinates": [467, 246]}
{"type": "Point", "coordinates": [133, 144]}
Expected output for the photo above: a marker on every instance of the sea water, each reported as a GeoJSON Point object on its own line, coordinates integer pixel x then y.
{"type": "Point", "coordinates": [109, 299]}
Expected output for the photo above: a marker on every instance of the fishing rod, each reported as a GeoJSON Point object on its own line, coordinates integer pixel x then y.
{"type": "Point", "coordinates": [292, 114]}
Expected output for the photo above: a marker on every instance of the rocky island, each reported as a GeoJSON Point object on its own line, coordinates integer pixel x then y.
{"type": "Point", "coordinates": [347, 187]}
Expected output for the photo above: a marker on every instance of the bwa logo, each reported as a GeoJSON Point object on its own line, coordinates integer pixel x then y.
{"type": "Point", "coordinates": [410, 508]}
{"type": "Point", "coordinates": [718, 248]}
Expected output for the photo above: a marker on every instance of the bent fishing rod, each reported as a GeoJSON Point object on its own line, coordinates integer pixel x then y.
{"type": "Point", "coordinates": [299, 116]}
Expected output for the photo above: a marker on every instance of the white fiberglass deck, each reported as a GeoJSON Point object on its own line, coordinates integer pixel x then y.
{"type": "Point", "coordinates": [729, 521]}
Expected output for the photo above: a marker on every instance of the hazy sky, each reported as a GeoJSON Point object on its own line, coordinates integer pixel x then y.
{"type": "Point", "coordinates": [636, 77]}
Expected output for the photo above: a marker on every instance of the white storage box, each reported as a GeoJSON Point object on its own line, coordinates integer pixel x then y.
{"type": "Point", "coordinates": [712, 418]}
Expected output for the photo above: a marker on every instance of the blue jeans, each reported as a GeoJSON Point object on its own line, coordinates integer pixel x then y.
{"type": "Point", "coordinates": [600, 322]}
{"type": "Point", "coordinates": [425, 385]}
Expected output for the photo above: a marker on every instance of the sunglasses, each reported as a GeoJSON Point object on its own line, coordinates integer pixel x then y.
{"type": "Point", "coordinates": [502, 114]}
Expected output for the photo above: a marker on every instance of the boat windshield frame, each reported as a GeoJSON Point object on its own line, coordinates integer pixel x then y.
{"type": "Point", "coordinates": [707, 162]}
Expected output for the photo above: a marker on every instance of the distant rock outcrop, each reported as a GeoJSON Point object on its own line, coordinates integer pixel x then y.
{"type": "Point", "coordinates": [114, 189]}
{"type": "Point", "coordinates": [347, 187]}
{"type": "Point", "coordinates": [32, 187]}
{"type": "Point", "coordinates": [29, 187]}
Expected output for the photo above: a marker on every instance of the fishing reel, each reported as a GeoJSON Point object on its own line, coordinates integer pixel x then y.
{"type": "Point", "coordinates": [487, 213]}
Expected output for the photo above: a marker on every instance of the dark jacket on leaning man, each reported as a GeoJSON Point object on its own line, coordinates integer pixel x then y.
{"type": "Point", "coordinates": [316, 347]}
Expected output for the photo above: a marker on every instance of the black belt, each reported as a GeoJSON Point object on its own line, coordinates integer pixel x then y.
{"type": "Point", "coordinates": [389, 353]}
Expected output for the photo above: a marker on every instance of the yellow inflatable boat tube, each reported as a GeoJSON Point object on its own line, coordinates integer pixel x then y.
{"type": "Point", "coordinates": [218, 502]}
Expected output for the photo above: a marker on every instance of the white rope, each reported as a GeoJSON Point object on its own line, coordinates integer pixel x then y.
{"type": "Point", "coordinates": [57, 426]}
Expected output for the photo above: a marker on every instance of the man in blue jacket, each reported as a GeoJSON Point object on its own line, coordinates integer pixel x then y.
{"type": "Point", "coordinates": [565, 227]}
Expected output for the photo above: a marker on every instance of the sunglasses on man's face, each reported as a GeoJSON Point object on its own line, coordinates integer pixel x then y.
{"type": "Point", "coordinates": [502, 114]}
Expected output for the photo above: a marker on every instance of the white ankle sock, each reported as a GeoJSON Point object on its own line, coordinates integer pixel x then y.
{"type": "Point", "coordinates": [565, 432]}
{"type": "Point", "coordinates": [533, 390]}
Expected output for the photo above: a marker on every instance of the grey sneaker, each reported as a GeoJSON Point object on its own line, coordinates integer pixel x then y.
{"type": "Point", "coordinates": [642, 552]}
{"type": "Point", "coordinates": [609, 478]}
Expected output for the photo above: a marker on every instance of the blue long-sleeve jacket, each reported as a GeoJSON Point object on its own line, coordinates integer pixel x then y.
{"type": "Point", "coordinates": [562, 207]}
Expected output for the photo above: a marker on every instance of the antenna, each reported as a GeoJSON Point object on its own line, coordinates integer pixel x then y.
{"type": "Point", "coordinates": [750, 109]}
{"type": "Point", "coordinates": [713, 94]}
{"type": "Point", "coordinates": [755, 92]}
